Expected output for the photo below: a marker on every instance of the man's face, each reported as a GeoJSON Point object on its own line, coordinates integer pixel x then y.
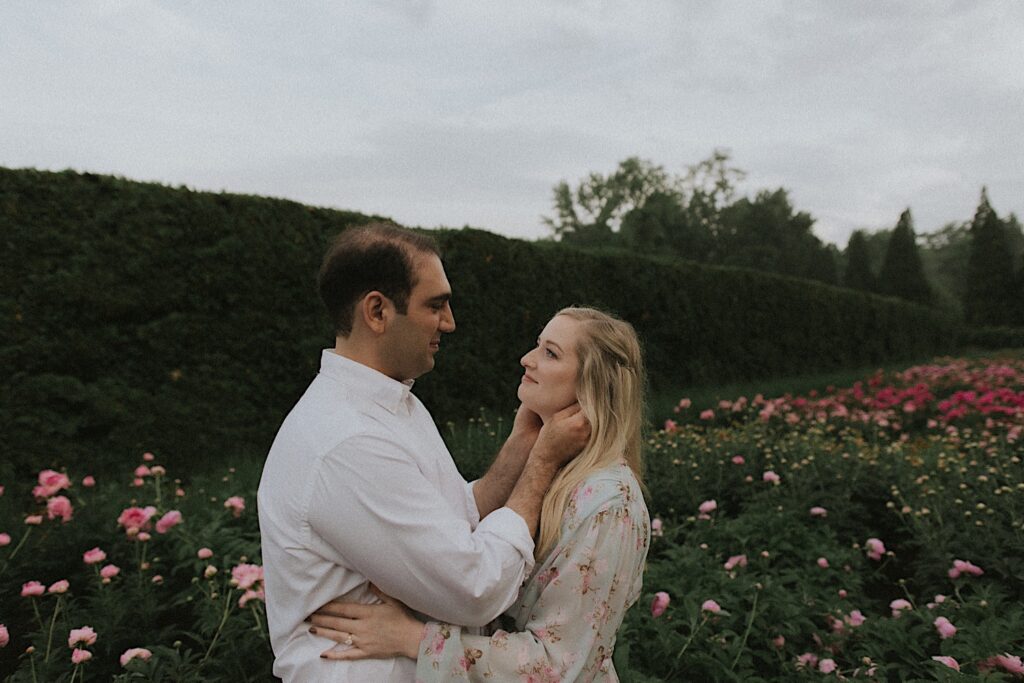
{"type": "Point", "coordinates": [411, 340]}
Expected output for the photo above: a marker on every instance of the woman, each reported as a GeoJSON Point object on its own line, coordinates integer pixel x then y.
{"type": "Point", "coordinates": [594, 531]}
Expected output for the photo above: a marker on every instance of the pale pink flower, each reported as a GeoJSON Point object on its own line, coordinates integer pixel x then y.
{"type": "Point", "coordinates": [738, 460]}
{"type": "Point", "coordinates": [246, 575]}
{"type": "Point", "coordinates": [854, 618]}
{"type": "Point", "coordinates": [81, 635]}
{"type": "Point", "coordinates": [944, 627]}
{"type": "Point", "coordinates": [210, 571]}
{"type": "Point", "coordinates": [779, 641]}
{"type": "Point", "coordinates": [963, 567]}
{"type": "Point", "coordinates": [251, 595]}
{"type": "Point", "coordinates": [169, 520]}
{"type": "Point", "coordinates": [157, 578]}
{"type": "Point", "coordinates": [142, 471]}
{"type": "Point", "coordinates": [136, 518]}
{"type": "Point", "coordinates": [897, 606]}
{"type": "Point", "coordinates": [32, 589]}
{"type": "Point", "coordinates": [5, 539]}
{"type": "Point", "coordinates": [1, 490]}
{"type": "Point", "coordinates": [94, 556]}
{"type": "Point", "coordinates": [876, 549]}
{"type": "Point", "coordinates": [1010, 663]}
{"type": "Point", "coordinates": [158, 470]}
{"type": "Point", "coordinates": [144, 536]}
{"type": "Point", "coordinates": [707, 414]}
{"type": "Point", "coordinates": [842, 592]}
{"type": "Point", "coordinates": [236, 504]}
{"type": "Point", "coordinates": [735, 561]}
{"type": "Point", "coordinates": [827, 666]}
{"type": "Point", "coordinates": [807, 660]}
{"type": "Point", "coordinates": [939, 599]}
{"type": "Point", "coordinates": [59, 506]}
{"type": "Point", "coordinates": [78, 655]}
{"type": "Point", "coordinates": [179, 492]}
{"type": "Point", "coordinates": [5, 636]}
{"type": "Point", "coordinates": [34, 520]}
{"type": "Point", "coordinates": [823, 562]}
{"type": "Point", "coordinates": [708, 506]}
{"type": "Point", "coordinates": [148, 457]}
{"type": "Point", "coordinates": [711, 606]}
{"type": "Point", "coordinates": [135, 653]}
{"type": "Point", "coordinates": [659, 604]}
{"type": "Point", "coordinates": [948, 661]}
{"type": "Point", "coordinates": [818, 511]}
{"type": "Point", "coordinates": [685, 403]}
{"type": "Point", "coordinates": [771, 477]}
{"type": "Point", "coordinates": [88, 481]}
{"type": "Point", "coordinates": [50, 482]}
{"type": "Point", "coordinates": [671, 426]}
{"type": "Point", "coordinates": [110, 571]}
{"type": "Point", "coordinates": [204, 554]}
{"type": "Point", "coordinates": [138, 482]}
{"type": "Point", "coordinates": [58, 587]}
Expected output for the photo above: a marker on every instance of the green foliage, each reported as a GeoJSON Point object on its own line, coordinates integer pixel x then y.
{"type": "Point", "coordinates": [902, 274]}
{"type": "Point", "coordinates": [858, 273]}
{"type": "Point", "coordinates": [990, 298]}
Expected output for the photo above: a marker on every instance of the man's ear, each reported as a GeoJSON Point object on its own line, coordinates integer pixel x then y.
{"type": "Point", "coordinates": [376, 311]}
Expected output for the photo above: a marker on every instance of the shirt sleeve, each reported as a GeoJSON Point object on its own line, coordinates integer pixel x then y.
{"type": "Point", "coordinates": [372, 510]}
{"type": "Point", "coordinates": [570, 632]}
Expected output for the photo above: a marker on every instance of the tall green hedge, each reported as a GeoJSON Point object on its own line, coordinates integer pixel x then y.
{"type": "Point", "coordinates": [138, 316]}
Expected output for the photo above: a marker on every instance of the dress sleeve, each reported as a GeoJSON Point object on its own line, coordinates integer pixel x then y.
{"type": "Point", "coordinates": [570, 631]}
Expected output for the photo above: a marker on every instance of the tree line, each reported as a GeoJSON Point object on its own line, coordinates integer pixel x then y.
{"type": "Point", "coordinates": [974, 269]}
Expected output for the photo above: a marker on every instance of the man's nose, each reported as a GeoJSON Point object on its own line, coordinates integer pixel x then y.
{"type": "Point", "coordinates": [448, 319]}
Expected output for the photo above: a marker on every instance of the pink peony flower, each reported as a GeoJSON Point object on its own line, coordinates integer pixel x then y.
{"type": "Point", "coordinates": [659, 604]}
{"type": "Point", "coordinates": [168, 521]}
{"type": "Point", "coordinates": [1, 490]}
{"type": "Point", "coordinates": [110, 571]}
{"type": "Point", "coordinates": [50, 482]}
{"type": "Point", "coordinates": [897, 606]}
{"type": "Point", "coordinates": [135, 653]}
{"type": "Point", "coordinates": [136, 518]}
{"type": "Point", "coordinates": [827, 666]}
{"type": "Point", "coordinates": [148, 457]}
{"type": "Point", "coordinates": [685, 403]}
{"type": "Point", "coordinates": [142, 471]}
{"type": "Point", "coordinates": [5, 539]}
{"type": "Point", "coordinates": [807, 660]}
{"type": "Point", "coordinates": [59, 506]}
{"type": "Point", "coordinates": [671, 426]}
{"type": "Point", "coordinates": [246, 575]}
{"type": "Point", "coordinates": [5, 637]}
{"type": "Point", "coordinates": [875, 548]}
{"type": "Point", "coordinates": [138, 482]}
{"type": "Point", "coordinates": [78, 655]}
{"type": "Point", "coordinates": [963, 567]}
{"type": "Point", "coordinates": [779, 641]}
{"type": "Point", "coordinates": [711, 606]}
{"type": "Point", "coordinates": [854, 618]}
{"type": "Point", "coordinates": [94, 556]}
{"type": "Point", "coordinates": [1010, 663]}
{"type": "Point", "coordinates": [157, 578]}
{"type": "Point", "coordinates": [32, 589]}
{"type": "Point", "coordinates": [157, 471]}
{"type": "Point", "coordinates": [204, 554]}
{"type": "Point", "coordinates": [818, 512]}
{"type": "Point", "coordinates": [58, 587]}
{"type": "Point", "coordinates": [735, 561]}
{"type": "Point", "coordinates": [251, 595]}
{"type": "Point", "coordinates": [738, 460]}
{"type": "Point", "coordinates": [88, 481]}
{"type": "Point", "coordinates": [81, 635]}
{"type": "Point", "coordinates": [34, 520]}
{"type": "Point", "coordinates": [179, 492]}
{"type": "Point", "coordinates": [771, 477]}
{"type": "Point", "coordinates": [842, 592]}
{"type": "Point", "coordinates": [948, 661]}
{"type": "Point", "coordinates": [823, 562]}
{"type": "Point", "coordinates": [708, 506]}
{"type": "Point", "coordinates": [236, 504]}
{"type": "Point", "coordinates": [210, 571]}
{"type": "Point", "coordinates": [944, 627]}
{"type": "Point", "coordinates": [707, 414]}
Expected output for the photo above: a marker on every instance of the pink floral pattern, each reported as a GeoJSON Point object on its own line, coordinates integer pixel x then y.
{"type": "Point", "coordinates": [562, 627]}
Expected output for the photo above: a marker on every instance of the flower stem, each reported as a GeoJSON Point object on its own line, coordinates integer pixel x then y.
{"type": "Point", "coordinates": [220, 627]}
{"type": "Point", "coordinates": [750, 622]}
{"type": "Point", "coordinates": [53, 622]}
{"type": "Point", "coordinates": [28, 532]}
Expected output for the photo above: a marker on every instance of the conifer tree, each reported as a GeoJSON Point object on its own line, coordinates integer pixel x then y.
{"type": "Point", "coordinates": [902, 273]}
{"type": "Point", "coordinates": [858, 273]}
{"type": "Point", "coordinates": [989, 293]}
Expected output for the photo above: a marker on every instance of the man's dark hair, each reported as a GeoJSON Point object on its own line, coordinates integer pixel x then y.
{"type": "Point", "coordinates": [376, 256]}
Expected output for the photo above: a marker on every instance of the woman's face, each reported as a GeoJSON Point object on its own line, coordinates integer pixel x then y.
{"type": "Point", "coordinates": [549, 381]}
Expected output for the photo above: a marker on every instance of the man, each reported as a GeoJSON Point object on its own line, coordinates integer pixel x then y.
{"type": "Point", "coordinates": [359, 487]}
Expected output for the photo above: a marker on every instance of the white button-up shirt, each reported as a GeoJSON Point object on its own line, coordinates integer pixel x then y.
{"type": "Point", "coordinates": [359, 487]}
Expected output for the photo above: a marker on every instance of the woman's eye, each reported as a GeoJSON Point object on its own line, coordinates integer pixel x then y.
{"type": "Point", "coordinates": [549, 353]}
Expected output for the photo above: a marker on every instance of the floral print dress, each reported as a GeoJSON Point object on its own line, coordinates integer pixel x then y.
{"type": "Point", "coordinates": [562, 627]}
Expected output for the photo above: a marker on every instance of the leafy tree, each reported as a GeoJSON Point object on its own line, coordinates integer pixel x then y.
{"type": "Point", "coordinates": [989, 296]}
{"type": "Point", "coordinates": [902, 273]}
{"type": "Point", "coordinates": [662, 225]}
{"type": "Point", "coordinates": [858, 273]}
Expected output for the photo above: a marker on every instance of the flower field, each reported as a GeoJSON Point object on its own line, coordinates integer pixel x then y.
{"type": "Point", "coordinates": [865, 532]}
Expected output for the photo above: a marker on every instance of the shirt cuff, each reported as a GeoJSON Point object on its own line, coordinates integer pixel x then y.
{"type": "Point", "coordinates": [505, 523]}
{"type": "Point", "coordinates": [472, 511]}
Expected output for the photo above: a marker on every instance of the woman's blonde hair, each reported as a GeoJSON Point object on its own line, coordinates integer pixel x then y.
{"type": "Point", "coordinates": [610, 385]}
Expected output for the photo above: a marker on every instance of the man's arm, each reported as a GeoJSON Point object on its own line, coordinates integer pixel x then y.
{"type": "Point", "coordinates": [492, 490]}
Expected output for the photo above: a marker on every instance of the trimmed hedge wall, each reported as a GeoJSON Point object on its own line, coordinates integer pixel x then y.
{"type": "Point", "coordinates": [138, 316]}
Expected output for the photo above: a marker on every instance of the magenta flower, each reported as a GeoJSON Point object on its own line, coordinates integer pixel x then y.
{"type": "Point", "coordinates": [963, 567]}
{"type": "Point", "coordinates": [948, 661]}
{"type": "Point", "coordinates": [711, 606]}
{"type": "Point", "coordinates": [944, 627]}
{"type": "Point", "coordinates": [135, 653]}
{"type": "Point", "coordinates": [734, 561]}
{"type": "Point", "coordinates": [59, 506]}
{"type": "Point", "coordinates": [32, 589]}
{"type": "Point", "coordinates": [817, 511]}
{"type": "Point", "coordinates": [876, 549]}
{"type": "Point", "coordinates": [142, 471]}
{"type": "Point", "coordinates": [770, 476]}
{"type": "Point", "coordinates": [5, 637]}
{"type": "Point", "coordinates": [204, 554]}
{"type": "Point", "coordinates": [59, 587]}
{"type": "Point", "coordinates": [88, 481]}
{"type": "Point", "coordinates": [5, 539]}
{"type": "Point", "coordinates": [81, 635]}
{"type": "Point", "coordinates": [135, 519]}
{"type": "Point", "coordinates": [236, 504]}
{"type": "Point", "coordinates": [50, 482]}
{"type": "Point", "coordinates": [94, 556]}
{"type": "Point", "coordinates": [168, 521]}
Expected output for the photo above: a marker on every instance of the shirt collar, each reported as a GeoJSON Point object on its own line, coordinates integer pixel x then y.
{"type": "Point", "coordinates": [363, 380]}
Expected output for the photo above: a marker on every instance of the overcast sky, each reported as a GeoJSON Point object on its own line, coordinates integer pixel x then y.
{"type": "Point", "coordinates": [467, 112]}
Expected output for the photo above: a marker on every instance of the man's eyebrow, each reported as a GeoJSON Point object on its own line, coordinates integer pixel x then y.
{"type": "Point", "coordinates": [440, 298]}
